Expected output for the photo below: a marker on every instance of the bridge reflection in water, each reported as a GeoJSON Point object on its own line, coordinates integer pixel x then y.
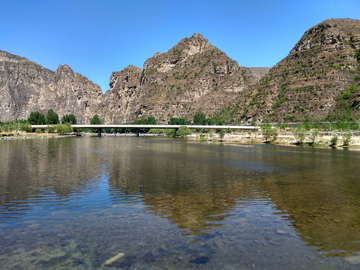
{"type": "Point", "coordinates": [138, 127]}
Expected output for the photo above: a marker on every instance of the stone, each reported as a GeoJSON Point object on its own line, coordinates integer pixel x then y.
{"type": "Point", "coordinates": [354, 260]}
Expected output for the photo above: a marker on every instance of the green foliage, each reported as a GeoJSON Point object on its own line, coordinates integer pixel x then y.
{"type": "Point", "coordinates": [340, 125]}
{"type": "Point", "coordinates": [37, 118]}
{"type": "Point", "coordinates": [199, 119]}
{"type": "Point", "coordinates": [170, 132]}
{"type": "Point", "coordinates": [307, 126]}
{"type": "Point", "coordinates": [38, 131]}
{"type": "Point", "coordinates": [221, 134]}
{"type": "Point", "coordinates": [347, 138]}
{"type": "Point", "coordinates": [25, 127]}
{"type": "Point", "coordinates": [64, 128]}
{"type": "Point", "coordinates": [299, 133]}
{"type": "Point", "coordinates": [357, 55]}
{"type": "Point", "coordinates": [283, 126]}
{"type": "Point", "coordinates": [314, 135]}
{"type": "Point", "coordinates": [334, 141]}
{"type": "Point", "coordinates": [50, 129]}
{"type": "Point", "coordinates": [156, 131]}
{"type": "Point", "coordinates": [268, 132]}
{"type": "Point", "coordinates": [69, 118]}
{"type": "Point", "coordinates": [52, 118]}
{"type": "Point", "coordinates": [178, 121]}
{"type": "Point", "coordinates": [183, 131]}
{"type": "Point", "coordinates": [202, 138]}
{"type": "Point", "coordinates": [228, 130]}
{"type": "Point", "coordinates": [95, 120]}
{"type": "Point", "coordinates": [355, 126]}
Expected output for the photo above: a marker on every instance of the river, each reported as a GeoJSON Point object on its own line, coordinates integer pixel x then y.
{"type": "Point", "coordinates": [159, 203]}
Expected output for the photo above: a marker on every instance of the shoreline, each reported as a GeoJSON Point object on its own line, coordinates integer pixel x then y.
{"type": "Point", "coordinates": [283, 139]}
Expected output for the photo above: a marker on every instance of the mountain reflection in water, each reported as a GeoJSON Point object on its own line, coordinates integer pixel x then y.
{"type": "Point", "coordinates": [206, 190]}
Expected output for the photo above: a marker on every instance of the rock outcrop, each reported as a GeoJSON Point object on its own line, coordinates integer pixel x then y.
{"type": "Point", "coordinates": [191, 76]}
{"type": "Point", "coordinates": [319, 78]}
{"type": "Point", "coordinates": [25, 84]}
{"type": "Point", "coordinates": [311, 80]}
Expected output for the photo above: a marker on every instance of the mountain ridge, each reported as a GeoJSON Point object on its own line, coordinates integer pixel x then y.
{"type": "Point", "coordinates": [318, 79]}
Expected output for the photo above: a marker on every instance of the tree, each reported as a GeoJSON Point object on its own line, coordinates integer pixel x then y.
{"type": "Point", "coordinates": [95, 120]}
{"type": "Point", "coordinates": [199, 119]}
{"type": "Point", "coordinates": [37, 118]}
{"type": "Point", "coordinates": [52, 118]}
{"type": "Point", "coordinates": [69, 118]}
{"type": "Point", "coordinates": [183, 131]}
{"type": "Point", "coordinates": [268, 132]}
{"type": "Point", "coordinates": [221, 134]}
{"type": "Point", "coordinates": [178, 121]}
{"type": "Point", "coordinates": [299, 133]}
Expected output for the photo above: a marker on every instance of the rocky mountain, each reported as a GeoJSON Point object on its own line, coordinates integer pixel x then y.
{"type": "Point", "coordinates": [319, 78]}
{"type": "Point", "coordinates": [192, 76]}
{"type": "Point", "coordinates": [24, 83]}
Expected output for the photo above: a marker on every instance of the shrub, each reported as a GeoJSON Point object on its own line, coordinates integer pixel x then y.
{"type": "Point", "coordinates": [183, 131]}
{"type": "Point", "coordinates": [268, 132]}
{"type": "Point", "coordinates": [170, 132]}
{"type": "Point", "coordinates": [68, 118]}
{"type": "Point", "coordinates": [37, 118]}
{"type": "Point", "coordinates": [156, 131]}
{"type": "Point", "coordinates": [38, 131]}
{"type": "Point", "coordinates": [299, 133]}
{"type": "Point", "coordinates": [178, 121]}
{"type": "Point", "coordinates": [307, 126]}
{"type": "Point", "coordinates": [228, 130]}
{"type": "Point", "coordinates": [347, 138]}
{"type": "Point", "coordinates": [95, 120]}
{"type": "Point", "coordinates": [52, 118]}
{"type": "Point", "coordinates": [199, 119]}
{"type": "Point", "coordinates": [283, 126]}
{"type": "Point", "coordinates": [333, 141]}
{"type": "Point", "coordinates": [25, 127]}
{"type": "Point", "coordinates": [51, 129]}
{"type": "Point", "coordinates": [357, 55]}
{"type": "Point", "coordinates": [64, 128]}
{"type": "Point", "coordinates": [313, 136]}
{"type": "Point", "coordinates": [221, 134]}
{"type": "Point", "coordinates": [202, 138]}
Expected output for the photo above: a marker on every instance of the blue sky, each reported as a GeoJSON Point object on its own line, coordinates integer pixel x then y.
{"type": "Point", "coordinates": [97, 37]}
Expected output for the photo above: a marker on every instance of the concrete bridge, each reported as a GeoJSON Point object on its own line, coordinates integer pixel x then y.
{"type": "Point", "coordinates": [137, 127]}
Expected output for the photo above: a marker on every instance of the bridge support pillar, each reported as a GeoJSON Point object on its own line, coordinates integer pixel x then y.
{"type": "Point", "coordinates": [99, 132]}
{"type": "Point", "coordinates": [176, 130]}
{"type": "Point", "coordinates": [137, 132]}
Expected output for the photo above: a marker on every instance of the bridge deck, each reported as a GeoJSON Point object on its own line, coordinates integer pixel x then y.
{"type": "Point", "coordinates": [155, 127]}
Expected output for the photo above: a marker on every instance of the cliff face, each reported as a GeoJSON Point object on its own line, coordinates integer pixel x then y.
{"type": "Point", "coordinates": [24, 83]}
{"type": "Point", "coordinates": [319, 78]}
{"type": "Point", "coordinates": [120, 102]}
{"type": "Point", "coordinates": [311, 80]}
{"type": "Point", "coordinates": [191, 76]}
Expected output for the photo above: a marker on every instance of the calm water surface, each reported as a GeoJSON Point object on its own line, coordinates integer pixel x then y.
{"type": "Point", "coordinates": [75, 203]}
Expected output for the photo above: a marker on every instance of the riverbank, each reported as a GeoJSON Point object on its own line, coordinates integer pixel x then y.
{"type": "Point", "coordinates": [27, 135]}
{"type": "Point", "coordinates": [323, 140]}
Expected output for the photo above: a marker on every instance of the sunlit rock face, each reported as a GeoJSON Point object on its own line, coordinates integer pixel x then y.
{"type": "Point", "coordinates": [308, 82]}
{"type": "Point", "coordinates": [191, 76]}
{"type": "Point", "coordinates": [25, 84]}
{"type": "Point", "coordinates": [120, 102]}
